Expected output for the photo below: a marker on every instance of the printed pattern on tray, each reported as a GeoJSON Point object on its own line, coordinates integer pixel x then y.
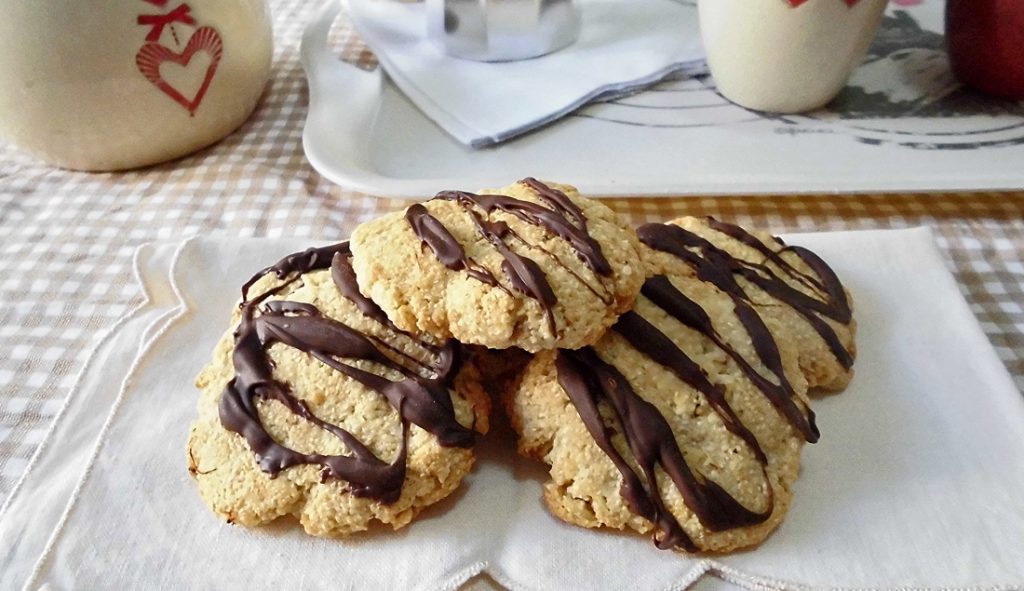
{"type": "Point", "coordinates": [903, 94]}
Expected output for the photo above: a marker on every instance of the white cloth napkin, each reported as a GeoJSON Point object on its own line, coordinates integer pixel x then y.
{"type": "Point", "coordinates": [915, 484]}
{"type": "Point", "coordinates": [624, 45]}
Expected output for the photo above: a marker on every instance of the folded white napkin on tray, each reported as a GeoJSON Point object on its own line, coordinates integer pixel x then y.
{"type": "Point", "coordinates": [624, 45]}
{"type": "Point", "coordinates": [915, 484]}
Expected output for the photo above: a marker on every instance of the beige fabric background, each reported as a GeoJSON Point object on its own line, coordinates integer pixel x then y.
{"type": "Point", "coordinates": [66, 239]}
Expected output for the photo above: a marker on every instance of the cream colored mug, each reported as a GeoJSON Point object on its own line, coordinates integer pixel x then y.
{"type": "Point", "coordinates": [116, 84]}
{"type": "Point", "coordinates": [786, 56]}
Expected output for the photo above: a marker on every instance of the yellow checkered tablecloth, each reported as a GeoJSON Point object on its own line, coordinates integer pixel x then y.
{"type": "Point", "coordinates": [68, 238]}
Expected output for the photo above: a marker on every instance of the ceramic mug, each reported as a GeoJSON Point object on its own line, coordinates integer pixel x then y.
{"type": "Point", "coordinates": [786, 56]}
{"type": "Point", "coordinates": [108, 85]}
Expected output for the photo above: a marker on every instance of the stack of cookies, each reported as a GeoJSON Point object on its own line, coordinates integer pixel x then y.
{"type": "Point", "coordinates": [665, 377]}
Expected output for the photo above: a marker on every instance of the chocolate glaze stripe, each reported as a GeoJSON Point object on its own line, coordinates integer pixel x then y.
{"type": "Point", "coordinates": [660, 291]}
{"type": "Point", "coordinates": [327, 339]}
{"type": "Point", "coordinates": [827, 333]}
{"type": "Point", "coordinates": [300, 262]}
{"type": "Point", "coordinates": [587, 248]}
{"type": "Point", "coordinates": [718, 266]}
{"type": "Point", "coordinates": [557, 199]}
{"type": "Point", "coordinates": [522, 273]}
{"type": "Point", "coordinates": [344, 278]}
{"type": "Point", "coordinates": [554, 220]}
{"type": "Point", "coordinates": [646, 338]}
{"type": "Point", "coordinates": [589, 381]}
{"type": "Point", "coordinates": [834, 303]}
{"type": "Point", "coordinates": [600, 291]}
{"type": "Point", "coordinates": [423, 401]}
{"type": "Point", "coordinates": [366, 474]}
{"type": "Point", "coordinates": [737, 233]}
{"type": "Point", "coordinates": [839, 309]}
{"type": "Point", "coordinates": [445, 247]}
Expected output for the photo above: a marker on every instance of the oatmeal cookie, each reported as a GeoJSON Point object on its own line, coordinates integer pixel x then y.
{"type": "Point", "coordinates": [317, 406]}
{"type": "Point", "coordinates": [530, 265]}
{"type": "Point", "coordinates": [688, 417]}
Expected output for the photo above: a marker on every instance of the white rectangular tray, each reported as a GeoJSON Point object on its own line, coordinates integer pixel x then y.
{"type": "Point", "coordinates": [902, 124]}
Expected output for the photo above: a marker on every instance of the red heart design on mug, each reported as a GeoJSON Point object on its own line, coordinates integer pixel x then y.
{"type": "Point", "coordinates": [152, 55]}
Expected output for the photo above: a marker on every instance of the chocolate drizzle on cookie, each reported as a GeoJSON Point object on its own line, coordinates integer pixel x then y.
{"type": "Point", "coordinates": [524, 274]}
{"type": "Point", "coordinates": [721, 268]}
{"type": "Point", "coordinates": [420, 397]}
{"type": "Point", "coordinates": [609, 406]}
{"type": "Point", "coordinates": [660, 291]}
{"type": "Point", "coordinates": [647, 432]}
{"type": "Point", "coordinates": [445, 247]}
{"type": "Point", "coordinates": [650, 341]}
{"type": "Point", "coordinates": [589, 381]}
{"type": "Point", "coordinates": [716, 266]}
{"type": "Point", "coordinates": [560, 217]}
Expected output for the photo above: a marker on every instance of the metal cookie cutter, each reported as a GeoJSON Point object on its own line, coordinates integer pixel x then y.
{"type": "Point", "coordinates": [502, 30]}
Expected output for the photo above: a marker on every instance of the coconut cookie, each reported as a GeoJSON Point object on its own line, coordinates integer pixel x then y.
{"type": "Point", "coordinates": [796, 292]}
{"type": "Point", "coordinates": [686, 419]}
{"type": "Point", "coordinates": [530, 265]}
{"type": "Point", "coordinates": [317, 406]}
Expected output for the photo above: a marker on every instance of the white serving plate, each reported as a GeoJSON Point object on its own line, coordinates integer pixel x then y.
{"type": "Point", "coordinates": [903, 124]}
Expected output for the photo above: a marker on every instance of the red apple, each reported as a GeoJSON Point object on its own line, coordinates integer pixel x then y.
{"type": "Point", "coordinates": [986, 44]}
